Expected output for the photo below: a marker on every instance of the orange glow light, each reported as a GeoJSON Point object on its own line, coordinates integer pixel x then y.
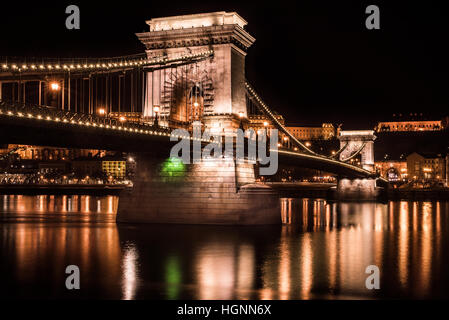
{"type": "Point", "coordinates": [54, 86]}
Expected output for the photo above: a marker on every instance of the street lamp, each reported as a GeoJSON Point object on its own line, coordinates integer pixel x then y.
{"type": "Point", "coordinates": [54, 86]}
{"type": "Point", "coordinates": [156, 111]}
{"type": "Point", "coordinates": [101, 111]}
{"type": "Point", "coordinates": [265, 124]}
{"type": "Point", "coordinates": [241, 117]}
{"type": "Point", "coordinates": [122, 119]}
{"type": "Point", "coordinates": [286, 142]}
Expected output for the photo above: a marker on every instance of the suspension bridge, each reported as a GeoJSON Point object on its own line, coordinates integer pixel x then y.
{"type": "Point", "coordinates": [191, 75]}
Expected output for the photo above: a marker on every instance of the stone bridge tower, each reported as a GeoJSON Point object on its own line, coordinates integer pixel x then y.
{"type": "Point", "coordinates": [358, 142]}
{"type": "Point", "coordinates": [354, 141]}
{"type": "Point", "coordinates": [212, 90]}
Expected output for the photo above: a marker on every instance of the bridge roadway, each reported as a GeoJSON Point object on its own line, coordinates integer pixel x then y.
{"type": "Point", "coordinates": [34, 125]}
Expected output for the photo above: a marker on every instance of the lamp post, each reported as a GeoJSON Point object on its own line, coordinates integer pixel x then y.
{"type": "Point", "coordinates": [156, 111]}
{"type": "Point", "coordinates": [102, 112]}
{"type": "Point", "coordinates": [54, 87]}
{"type": "Point", "coordinates": [241, 117]}
{"type": "Point", "coordinates": [265, 125]}
{"type": "Point", "coordinates": [286, 142]}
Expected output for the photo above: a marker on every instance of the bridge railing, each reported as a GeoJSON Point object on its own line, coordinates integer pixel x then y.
{"type": "Point", "coordinates": [50, 113]}
{"type": "Point", "coordinates": [74, 65]}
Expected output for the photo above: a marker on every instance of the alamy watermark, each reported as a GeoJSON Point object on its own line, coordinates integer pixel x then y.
{"type": "Point", "coordinates": [261, 148]}
{"type": "Point", "coordinates": [73, 20]}
{"type": "Point", "coordinates": [73, 280]}
{"type": "Point", "coordinates": [372, 22]}
{"type": "Point", "coordinates": [373, 280]}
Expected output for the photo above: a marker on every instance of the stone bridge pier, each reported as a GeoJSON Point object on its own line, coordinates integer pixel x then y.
{"type": "Point", "coordinates": [213, 191]}
{"type": "Point", "coordinates": [211, 93]}
{"type": "Point", "coordinates": [358, 142]}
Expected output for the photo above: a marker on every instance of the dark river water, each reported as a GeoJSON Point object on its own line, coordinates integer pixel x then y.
{"type": "Point", "coordinates": [321, 252]}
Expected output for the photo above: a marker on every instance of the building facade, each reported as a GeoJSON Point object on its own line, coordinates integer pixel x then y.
{"type": "Point", "coordinates": [87, 166]}
{"type": "Point", "coordinates": [426, 167]}
{"type": "Point", "coordinates": [42, 153]}
{"type": "Point", "coordinates": [393, 170]}
{"type": "Point", "coordinates": [325, 132]}
{"type": "Point", "coordinates": [261, 122]}
{"type": "Point", "coordinates": [393, 126]}
{"type": "Point", "coordinates": [114, 166]}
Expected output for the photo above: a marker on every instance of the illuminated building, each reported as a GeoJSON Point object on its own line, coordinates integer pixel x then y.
{"type": "Point", "coordinates": [416, 166]}
{"type": "Point", "coordinates": [28, 152]}
{"type": "Point", "coordinates": [260, 122]}
{"type": "Point", "coordinates": [411, 122]}
{"type": "Point", "coordinates": [114, 166]}
{"type": "Point", "coordinates": [56, 166]}
{"type": "Point", "coordinates": [447, 170]}
{"type": "Point", "coordinates": [424, 166]}
{"type": "Point", "coordinates": [393, 170]}
{"type": "Point", "coordinates": [126, 116]}
{"type": "Point", "coordinates": [325, 132]}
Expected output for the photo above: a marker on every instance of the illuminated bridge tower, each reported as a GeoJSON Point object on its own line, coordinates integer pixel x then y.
{"type": "Point", "coordinates": [358, 143]}
{"type": "Point", "coordinates": [212, 90]}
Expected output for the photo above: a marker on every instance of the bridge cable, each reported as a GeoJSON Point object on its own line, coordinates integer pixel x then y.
{"type": "Point", "coordinates": [334, 156]}
{"type": "Point", "coordinates": [265, 110]}
{"type": "Point", "coordinates": [355, 154]}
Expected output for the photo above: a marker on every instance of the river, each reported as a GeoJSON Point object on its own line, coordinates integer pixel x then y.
{"type": "Point", "coordinates": [320, 252]}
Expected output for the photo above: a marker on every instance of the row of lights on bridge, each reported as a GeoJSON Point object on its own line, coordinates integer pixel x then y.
{"type": "Point", "coordinates": [108, 65]}
{"type": "Point", "coordinates": [256, 96]}
{"type": "Point", "coordinates": [148, 132]}
{"type": "Point", "coordinates": [71, 67]}
{"type": "Point", "coordinates": [308, 144]}
{"type": "Point", "coordinates": [103, 126]}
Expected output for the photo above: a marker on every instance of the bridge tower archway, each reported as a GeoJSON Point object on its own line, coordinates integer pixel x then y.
{"type": "Point", "coordinates": [220, 76]}
{"type": "Point", "coordinates": [357, 143]}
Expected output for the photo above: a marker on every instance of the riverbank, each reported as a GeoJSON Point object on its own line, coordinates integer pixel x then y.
{"type": "Point", "coordinates": [418, 194]}
{"type": "Point", "coordinates": [285, 190]}
{"type": "Point", "coordinates": [303, 189]}
{"type": "Point", "coordinates": [65, 189]}
{"type": "Point", "coordinates": [327, 191]}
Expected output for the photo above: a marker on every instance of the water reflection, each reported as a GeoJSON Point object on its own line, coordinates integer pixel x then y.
{"type": "Point", "coordinates": [402, 238]}
{"type": "Point", "coordinates": [321, 251]}
{"type": "Point", "coordinates": [34, 258]}
{"type": "Point", "coordinates": [46, 208]}
{"type": "Point", "coordinates": [129, 276]}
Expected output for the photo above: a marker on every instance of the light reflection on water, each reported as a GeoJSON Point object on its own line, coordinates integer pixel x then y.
{"type": "Point", "coordinates": [321, 251]}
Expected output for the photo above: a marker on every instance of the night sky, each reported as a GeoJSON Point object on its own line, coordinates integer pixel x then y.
{"type": "Point", "coordinates": [312, 61]}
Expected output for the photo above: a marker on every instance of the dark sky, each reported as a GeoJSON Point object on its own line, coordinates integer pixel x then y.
{"type": "Point", "coordinates": [312, 61]}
